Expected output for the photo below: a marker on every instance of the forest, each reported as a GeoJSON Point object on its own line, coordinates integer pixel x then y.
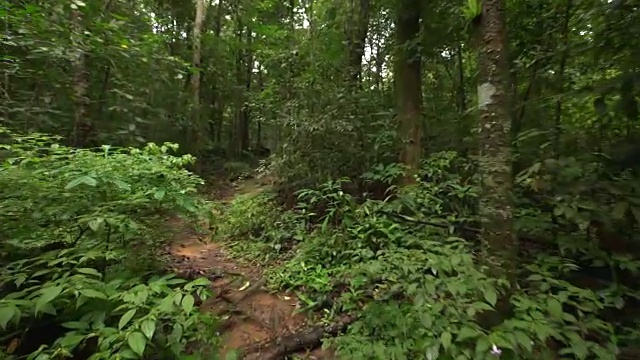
{"type": "Point", "coordinates": [319, 179]}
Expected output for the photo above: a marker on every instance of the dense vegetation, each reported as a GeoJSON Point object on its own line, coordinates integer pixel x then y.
{"type": "Point", "coordinates": [459, 177]}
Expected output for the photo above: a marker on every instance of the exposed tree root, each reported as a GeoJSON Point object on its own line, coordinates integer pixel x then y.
{"type": "Point", "coordinates": [307, 338]}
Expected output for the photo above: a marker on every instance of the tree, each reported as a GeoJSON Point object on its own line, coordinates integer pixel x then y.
{"type": "Point", "coordinates": [82, 124]}
{"type": "Point", "coordinates": [196, 128]}
{"type": "Point", "coordinates": [408, 85]}
{"type": "Point", "coordinates": [494, 126]}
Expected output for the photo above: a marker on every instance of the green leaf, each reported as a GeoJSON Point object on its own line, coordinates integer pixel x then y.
{"type": "Point", "coordinates": [524, 340]}
{"type": "Point", "coordinates": [90, 271]}
{"type": "Point", "coordinates": [201, 282]}
{"type": "Point", "coordinates": [187, 303]}
{"type": "Point", "coordinates": [69, 342]}
{"type": "Point", "coordinates": [126, 318]}
{"type": "Point", "coordinates": [148, 327]}
{"type": "Point", "coordinates": [6, 314]}
{"type": "Point", "coordinates": [620, 209]}
{"type": "Point", "coordinates": [467, 333]}
{"type": "Point", "coordinates": [555, 308]}
{"type": "Point", "coordinates": [159, 195]}
{"type": "Point", "coordinates": [122, 185]}
{"type": "Point", "coordinates": [231, 355]}
{"type": "Point", "coordinates": [95, 224]}
{"type": "Point", "coordinates": [87, 180]}
{"type": "Point", "coordinates": [48, 295]}
{"type": "Point", "coordinates": [445, 339]}
{"type": "Point", "coordinates": [48, 309]}
{"type": "Point", "coordinates": [76, 325]}
{"type": "Point", "coordinates": [166, 304]}
{"type": "Point", "coordinates": [490, 295]}
{"type": "Point", "coordinates": [93, 294]}
{"type": "Point", "coordinates": [137, 342]}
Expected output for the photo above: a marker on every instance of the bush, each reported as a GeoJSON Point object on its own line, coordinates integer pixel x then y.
{"type": "Point", "coordinates": [74, 225]}
{"type": "Point", "coordinates": [407, 265]}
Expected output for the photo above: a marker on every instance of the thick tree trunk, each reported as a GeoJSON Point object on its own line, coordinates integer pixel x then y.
{"type": "Point", "coordinates": [82, 126]}
{"type": "Point", "coordinates": [496, 207]}
{"type": "Point", "coordinates": [408, 79]}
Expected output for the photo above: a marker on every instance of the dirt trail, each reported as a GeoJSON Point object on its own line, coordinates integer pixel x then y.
{"type": "Point", "coordinates": [250, 313]}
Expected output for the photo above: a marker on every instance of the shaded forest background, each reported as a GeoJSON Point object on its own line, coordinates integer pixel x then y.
{"type": "Point", "coordinates": [504, 132]}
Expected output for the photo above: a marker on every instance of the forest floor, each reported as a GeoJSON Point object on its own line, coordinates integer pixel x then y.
{"type": "Point", "coordinates": [254, 319]}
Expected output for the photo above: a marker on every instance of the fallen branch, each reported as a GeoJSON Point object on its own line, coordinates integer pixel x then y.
{"type": "Point", "coordinates": [309, 338]}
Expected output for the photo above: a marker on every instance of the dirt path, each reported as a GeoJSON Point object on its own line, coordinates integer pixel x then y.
{"type": "Point", "coordinates": [250, 313]}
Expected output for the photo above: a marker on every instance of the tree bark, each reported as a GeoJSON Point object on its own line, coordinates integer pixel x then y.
{"type": "Point", "coordinates": [408, 79]}
{"type": "Point", "coordinates": [357, 32]}
{"type": "Point", "coordinates": [82, 126]}
{"type": "Point", "coordinates": [246, 115]}
{"type": "Point", "coordinates": [496, 207]}
{"type": "Point", "coordinates": [235, 140]}
{"type": "Point", "coordinates": [218, 106]}
{"type": "Point", "coordinates": [461, 94]}
{"type": "Point", "coordinates": [195, 136]}
{"type": "Point", "coordinates": [557, 124]}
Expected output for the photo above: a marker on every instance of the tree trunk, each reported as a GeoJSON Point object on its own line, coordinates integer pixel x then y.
{"type": "Point", "coordinates": [82, 126]}
{"type": "Point", "coordinates": [461, 94]}
{"type": "Point", "coordinates": [195, 136]}
{"type": "Point", "coordinates": [557, 125]}
{"type": "Point", "coordinates": [235, 140]}
{"type": "Point", "coordinates": [261, 86]}
{"type": "Point", "coordinates": [218, 106]}
{"type": "Point", "coordinates": [356, 39]}
{"type": "Point", "coordinates": [496, 207]}
{"type": "Point", "coordinates": [408, 79]}
{"type": "Point", "coordinates": [246, 115]}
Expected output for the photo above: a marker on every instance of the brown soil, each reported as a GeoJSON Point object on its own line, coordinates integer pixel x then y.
{"type": "Point", "coordinates": [250, 313]}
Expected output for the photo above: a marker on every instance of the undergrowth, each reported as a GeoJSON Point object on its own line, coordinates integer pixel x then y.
{"type": "Point", "coordinates": [409, 265]}
{"type": "Point", "coordinates": [77, 243]}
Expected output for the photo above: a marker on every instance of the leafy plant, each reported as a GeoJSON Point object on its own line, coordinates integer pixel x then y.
{"type": "Point", "coordinates": [74, 226]}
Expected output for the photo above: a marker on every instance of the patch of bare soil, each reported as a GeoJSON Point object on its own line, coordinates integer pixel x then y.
{"type": "Point", "coordinates": [257, 324]}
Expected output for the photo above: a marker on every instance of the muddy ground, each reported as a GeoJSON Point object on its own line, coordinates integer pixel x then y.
{"type": "Point", "coordinates": [251, 314]}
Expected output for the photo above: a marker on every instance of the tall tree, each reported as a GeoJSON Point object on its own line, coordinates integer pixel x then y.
{"type": "Point", "coordinates": [408, 82]}
{"type": "Point", "coordinates": [82, 125]}
{"type": "Point", "coordinates": [195, 126]}
{"type": "Point", "coordinates": [215, 126]}
{"type": "Point", "coordinates": [496, 208]}
{"type": "Point", "coordinates": [357, 30]}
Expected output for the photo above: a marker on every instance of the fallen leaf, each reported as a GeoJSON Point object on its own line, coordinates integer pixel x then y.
{"type": "Point", "coordinates": [245, 286]}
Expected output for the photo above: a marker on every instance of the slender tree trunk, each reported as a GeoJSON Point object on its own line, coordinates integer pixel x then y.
{"type": "Point", "coordinates": [408, 82]}
{"type": "Point", "coordinates": [217, 89]}
{"type": "Point", "coordinates": [462, 96]}
{"type": "Point", "coordinates": [356, 39]}
{"type": "Point", "coordinates": [496, 207]}
{"type": "Point", "coordinates": [82, 127]}
{"type": "Point", "coordinates": [557, 125]}
{"type": "Point", "coordinates": [246, 115]}
{"type": "Point", "coordinates": [235, 140]}
{"type": "Point", "coordinates": [195, 136]}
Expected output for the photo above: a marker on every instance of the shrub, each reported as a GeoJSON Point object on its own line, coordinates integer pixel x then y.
{"type": "Point", "coordinates": [417, 280]}
{"type": "Point", "coordinates": [74, 226]}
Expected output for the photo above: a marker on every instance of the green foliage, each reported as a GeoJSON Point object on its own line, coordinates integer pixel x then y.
{"type": "Point", "coordinates": [235, 170]}
{"type": "Point", "coordinates": [419, 288]}
{"type": "Point", "coordinates": [74, 227]}
{"type": "Point", "coordinates": [258, 228]}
